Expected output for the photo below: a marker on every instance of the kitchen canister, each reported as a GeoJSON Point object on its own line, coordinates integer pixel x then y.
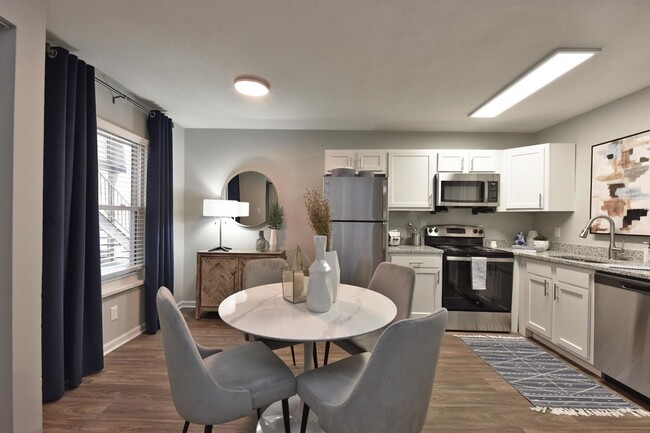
{"type": "Point", "coordinates": [319, 288]}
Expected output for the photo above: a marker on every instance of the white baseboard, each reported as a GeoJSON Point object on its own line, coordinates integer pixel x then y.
{"type": "Point", "coordinates": [123, 339]}
{"type": "Point", "coordinates": [187, 304]}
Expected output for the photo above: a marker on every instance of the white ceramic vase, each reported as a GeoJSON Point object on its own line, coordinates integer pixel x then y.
{"type": "Point", "coordinates": [319, 289]}
{"type": "Point", "coordinates": [273, 240]}
{"type": "Point", "coordinates": [332, 259]}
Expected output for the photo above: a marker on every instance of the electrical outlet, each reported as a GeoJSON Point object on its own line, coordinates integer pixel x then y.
{"type": "Point", "coordinates": [114, 313]}
{"type": "Point", "coordinates": [423, 224]}
{"type": "Point", "coordinates": [557, 232]}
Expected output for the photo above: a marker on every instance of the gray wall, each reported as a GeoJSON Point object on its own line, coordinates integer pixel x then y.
{"type": "Point", "coordinates": [625, 116]}
{"type": "Point", "coordinates": [294, 161]}
{"type": "Point", "coordinates": [20, 326]}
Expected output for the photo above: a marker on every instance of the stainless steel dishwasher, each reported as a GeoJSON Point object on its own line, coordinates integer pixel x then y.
{"type": "Point", "coordinates": [622, 330]}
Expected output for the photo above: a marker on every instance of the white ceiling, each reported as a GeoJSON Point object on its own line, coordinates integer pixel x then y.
{"type": "Point", "coordinates": [409, 65]}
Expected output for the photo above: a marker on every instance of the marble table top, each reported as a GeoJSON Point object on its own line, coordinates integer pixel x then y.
{"type": "Point", "coordinates": [262, 311]}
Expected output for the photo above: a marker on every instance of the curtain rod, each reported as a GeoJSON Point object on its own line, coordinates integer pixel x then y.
{"type": "Point", "coordinates": [121, 95]}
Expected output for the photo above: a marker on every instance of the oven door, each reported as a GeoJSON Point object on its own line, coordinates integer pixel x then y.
{"type": "Point", "coordinates": [457, 291]}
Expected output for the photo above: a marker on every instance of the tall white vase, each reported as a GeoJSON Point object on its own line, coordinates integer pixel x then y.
{"type": "Point", "coordinates": [273, 240]}
{"type": "Point", "coordinates": [319, 289]}
{"type": "Point", "coordinates": [332, 259]}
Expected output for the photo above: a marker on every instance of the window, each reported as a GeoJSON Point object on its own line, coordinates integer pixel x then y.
{"type": "Point", "coordinates": [122, 159]}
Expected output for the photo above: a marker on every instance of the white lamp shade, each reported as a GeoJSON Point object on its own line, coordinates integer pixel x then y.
{"type": "Point", "coordinates": [243, 209]}
{"type": "Point", "coordinates": [220, 208]}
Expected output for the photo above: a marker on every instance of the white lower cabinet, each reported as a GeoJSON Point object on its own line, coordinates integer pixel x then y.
{"type": "Point", "coordinates": [560, 305]}
{"type": "Point", "coordinates": [427, 296]}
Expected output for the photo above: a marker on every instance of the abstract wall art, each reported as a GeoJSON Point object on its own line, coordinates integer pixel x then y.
{"type": "Point", "coordinates": [620, 184]}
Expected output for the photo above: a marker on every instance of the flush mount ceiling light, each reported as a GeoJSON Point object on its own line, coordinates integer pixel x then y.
{"type": "Point", "coordinates": [555, 65]}
{"type": "Point", "coordinates": [251, 85]}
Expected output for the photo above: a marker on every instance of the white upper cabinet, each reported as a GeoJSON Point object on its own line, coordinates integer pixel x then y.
{"type": "Point", "coordinates": [468, 161]}
{"type": "Point", "coordinates": [538, 178]}
{"type": "Point", "coordinates": [359, 159]}
{"type": "Point", "coordinates": [410, 179]}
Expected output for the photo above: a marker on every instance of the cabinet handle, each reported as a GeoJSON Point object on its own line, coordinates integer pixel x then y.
{"type": "Point", "coordinates": [438, 277]}
{"type": "Point", "coordinates": [545, 287]}
{"type": "Point", "coordinates": [555, 292]}
{"type": "Point", "coordinates": [416, 264]}
{"type": "Point", "coordinates": [540, 200]}
{"type": "Point", "coordinates": [471, 164]}
{"type": "Point", "coordinates": [430, 198]}
{"type": "Point", "coordinates": [462, 164]}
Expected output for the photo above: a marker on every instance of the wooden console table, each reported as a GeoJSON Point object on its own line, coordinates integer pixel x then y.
{"type": "Point", "coordinates": [220, 274]}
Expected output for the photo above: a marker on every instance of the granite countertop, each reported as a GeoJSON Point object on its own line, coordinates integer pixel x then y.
{"type": "Point", "coordinates": [413, 249]}
{"type": "Point", "coordinates": [619, 267]}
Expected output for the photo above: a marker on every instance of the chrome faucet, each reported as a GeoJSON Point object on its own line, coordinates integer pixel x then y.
{"type": "Point", "coordinates": [612, 251]}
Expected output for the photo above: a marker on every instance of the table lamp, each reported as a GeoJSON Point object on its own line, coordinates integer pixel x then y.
{"type": "Point", "coordinates": [224, 209]}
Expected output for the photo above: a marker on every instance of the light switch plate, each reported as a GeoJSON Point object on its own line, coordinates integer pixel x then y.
{"type": "Point", "coordinates": [557, 232]}
{"type": "Point", "coordinates": [114, 313]}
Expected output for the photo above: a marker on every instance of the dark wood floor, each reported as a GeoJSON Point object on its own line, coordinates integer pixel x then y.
{"type": "Point", "coordinates": [132, 394]}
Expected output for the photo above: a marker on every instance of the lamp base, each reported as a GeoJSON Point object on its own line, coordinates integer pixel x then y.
{"type": "Point", "coordinates": [220, 248]}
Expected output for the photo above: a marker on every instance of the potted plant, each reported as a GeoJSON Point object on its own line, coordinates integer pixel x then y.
{"type": "Point", "coordinates": [275, 220]}
{"type": "Point", "coordinates": [540, 241]}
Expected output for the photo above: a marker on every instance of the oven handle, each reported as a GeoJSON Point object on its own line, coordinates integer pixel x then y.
{"type": "Point", "coordinates": [489, 260]}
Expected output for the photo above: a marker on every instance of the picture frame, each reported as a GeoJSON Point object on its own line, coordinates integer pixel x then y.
{"type": "Point", "coordinates": [620, 184]}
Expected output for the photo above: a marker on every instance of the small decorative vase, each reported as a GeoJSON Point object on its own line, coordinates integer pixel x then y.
{"type": "Point", "coordinates": [273, 240]}
{"type": "Point", "coordinates": [319, 290]}
{"type": "Point", "coordinates": [262, 245]}
{"type": "Point", "coordinates": [520, 239]}
{"type": "Point", "coordinates": [332, 259]}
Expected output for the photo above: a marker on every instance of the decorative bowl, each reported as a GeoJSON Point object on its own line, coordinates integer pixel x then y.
{"type": "Point", "coordinates": [542, 244]}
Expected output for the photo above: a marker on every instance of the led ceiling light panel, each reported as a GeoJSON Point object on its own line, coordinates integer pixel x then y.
{"type": "Point", "coordinates": [252, 86]}
{"type": "Point", "coordinates": [558, 63]}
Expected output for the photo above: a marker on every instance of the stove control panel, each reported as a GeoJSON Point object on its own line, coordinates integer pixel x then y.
{"type": "Point", "coordinates": [449, 230]}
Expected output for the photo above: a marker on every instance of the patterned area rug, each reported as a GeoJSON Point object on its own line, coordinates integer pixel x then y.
{"type": "Point", "coordinates": [546, 381]}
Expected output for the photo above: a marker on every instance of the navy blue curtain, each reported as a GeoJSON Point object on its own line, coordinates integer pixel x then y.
{"type": "Point", "coordinates": [159, 227]}
{"type": "Point", "coordinates": [72, 345]}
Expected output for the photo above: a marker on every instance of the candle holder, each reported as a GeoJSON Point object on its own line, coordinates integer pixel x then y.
{"type": "Point", "coordinates": [295, 277]}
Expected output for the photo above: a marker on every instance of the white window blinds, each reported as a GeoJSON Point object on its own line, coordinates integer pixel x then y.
{"type": "Point", "coordinates": [122, 186]}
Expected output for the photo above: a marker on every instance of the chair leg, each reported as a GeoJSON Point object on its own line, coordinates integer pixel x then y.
{"type": "Point", "coordinates": [285, 415]}
{"type": "Point", "coordinates": [293, 356]}
{"type": "Point", "coordinates": [315, 356]}
{"type": "Point", "coordinates": [207, 429]}
{"type": "Point", "coordinates": [327, 353]}
{"type": "Point", "coordinates": [259, 413]}
{"type": "Point", "coordinates": [305, 416]}
{"type": "Point", "coordinates": [186, 426]}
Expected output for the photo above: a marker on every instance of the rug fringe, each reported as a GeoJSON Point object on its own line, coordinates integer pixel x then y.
{"type": "Point", "coordinates": [591, 412]}
{"type": "Point", "coordinates": [509, 337]}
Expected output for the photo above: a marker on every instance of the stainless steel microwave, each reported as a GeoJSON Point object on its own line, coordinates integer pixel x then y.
{"type": "Point", "coordinates": [467, 189]}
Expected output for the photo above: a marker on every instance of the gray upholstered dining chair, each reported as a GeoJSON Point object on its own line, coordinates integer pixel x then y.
{"type": "Point", "coordinates": [266, 271]}
{"type": "Point", "coordinates": [386, 391]}
{"type": "Point", "coordinates": [213, 386]}
{"type": "Point", "coordinates": [397, 283]}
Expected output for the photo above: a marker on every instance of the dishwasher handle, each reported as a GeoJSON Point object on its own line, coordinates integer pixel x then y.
{"type": "Point", "coordinates": [622, 282]}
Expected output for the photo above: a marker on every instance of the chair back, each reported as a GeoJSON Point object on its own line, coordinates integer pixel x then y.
{"type": "Point", "coordinates": [263, 271]}
{"type": "Point", "coordinates": [197, 398]}
{"type": "Point", "coordinates": [397, 283]}
{"type": "Point", "coordinates": [395, 387]}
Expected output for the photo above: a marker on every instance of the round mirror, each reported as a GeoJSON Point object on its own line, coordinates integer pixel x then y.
{"type": "Point", "coordinates": [255, 189]}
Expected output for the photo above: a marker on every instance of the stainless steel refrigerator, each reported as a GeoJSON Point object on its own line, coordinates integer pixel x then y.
{"type": "Point", "coordinates": [359, 224]}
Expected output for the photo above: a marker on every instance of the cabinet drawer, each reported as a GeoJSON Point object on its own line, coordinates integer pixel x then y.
{"type": "Point", "coordinates": [417, 261]}
{"type": "Point", "coordinates": [572, 276]}
{"type": "Point", "coordinates": [539, 268]}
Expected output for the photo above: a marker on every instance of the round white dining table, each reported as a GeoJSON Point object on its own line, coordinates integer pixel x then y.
{"type": "Point", "coordinates": [263, 312]}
